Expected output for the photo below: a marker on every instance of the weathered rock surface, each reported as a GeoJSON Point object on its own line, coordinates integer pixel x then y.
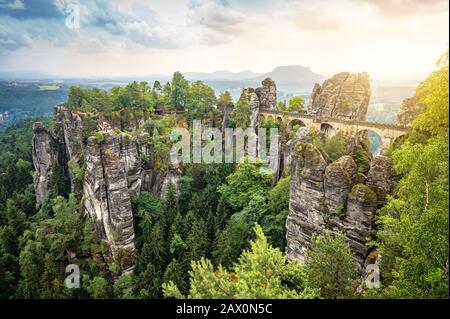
{"type": "Point", "coordinates": [409, 110]}
{"type": "Point", "coordinates": [226, 112]}
{"type": "Point", "coordinates": [380, 177]}
{"type": "Point", "coordinates": [267, 94]}
{"type": "Point", "coordinates": [306, 202]}
{"type": "Point", "coordinates": [46, 154]}
{"type": "Point", "coordinates": [338, 181]}
{"type": "Point", "coordinates": [332, 197]}
{"type": "Point", "coordinates": [69, 130]}
{"type": "Point", "coordinates": [117, 167]}
{"type": "Point", "coordinates": [253, 104]}
{"type": "Point", "coordinates": [107, 198]}
{"type": "Point", "coordinates": [131, 162]}
{"type": "Point", "coordinates": [343, 96]}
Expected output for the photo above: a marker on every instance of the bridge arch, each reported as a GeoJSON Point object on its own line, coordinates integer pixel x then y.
{"type": "Point", "coordinates": [295, 122]}
{"type": "Point", "coordinates": [373, 138]}
{"type": "Point", "coordinates": [328, 129]}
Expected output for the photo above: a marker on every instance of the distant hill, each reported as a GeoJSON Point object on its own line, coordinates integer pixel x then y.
{"type": "Point", "coordinates": [290, 79]}
{"type": "Point", "coordinates": [222, 75]}
{"type": "Point", "coordinates": [294, 78]}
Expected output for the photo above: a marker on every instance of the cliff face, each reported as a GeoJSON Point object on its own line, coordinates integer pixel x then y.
{"type": "Point", "coordinates": [113, 173]}
{"type": "Point", "coordinates": [267, 94]}
{"type": "Point", "coordinates": [46, 155]}
{"type": "Point", "coordinates": [343, 96]}
{"type": "Point", "coordinates": [264, 96]}
{"type": "Point", "coordinates": [107, 196]}
{"type": "Point", "coordinates": [332, 197]}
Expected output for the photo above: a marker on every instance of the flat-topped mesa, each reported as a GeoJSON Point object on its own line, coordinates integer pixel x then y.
{"type": "Point", "coordinates": [344, 96]}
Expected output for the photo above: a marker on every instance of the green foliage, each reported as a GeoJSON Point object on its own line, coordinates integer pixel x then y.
{"type": "Point", "coordinates": [59, 182]}
{"type": "Point", "coordinates": [201, 101]}
{"type": "Point", "coordinates": [296, 104]}
{"type": "Point", "coordinates": [179, 91]}
{"type": "Point", "coordinates": [281, 106]}
{"type": "Point", "coordinates": [262, 272]}
{"type": "Point", "coordinates": [274, 221]}
{"type": "Point", "coordinates": [413, 226]}
{"type": "Point", "coordinates": [99, 288]}
{"type": "Point", "coordinates": [77, 171]}
{"type": "Point", "coordinates": [369, 194]}
{"type": "Point", "coordinates": [362, 159]}
{"type": "Point", "coordinates": [335, 146]}
{"type": "Point", "coordinates": [124, 287]}
{"type": "Point", "coordinates": [244, 184]}
{"type": "Point", "coordinates": [225, 99]}
{"type": "Point", "coordinates": [240, 116]}
{"type": "Point", "coordinates": [99, 137]}
{"type": "Point", "coordinates": [331, 267]}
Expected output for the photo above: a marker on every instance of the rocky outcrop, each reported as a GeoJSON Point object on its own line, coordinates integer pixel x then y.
{"type": "Point", "coordinates": [116, 167]}
{"type": "Point", "coordinates": [226, 110]}
{"type": "Point", "coordinates": [409, 110]}
{"type": "Point", "coordinates": [253, 104]}
{"type": "Point", "coordinates": [46, 156]}
{"type": "Point", "coordinates": [267, 94]}
{"type": "Point", "coordinates": [107, 197]}
{"type": "Point", "coordinates": [130, 159]}
{"type": "Point", "coordinates": [332, 197]}
{"type": "Point", "coordinates": [69, 130]}
{"type": "Point", "coordinates": [306, 202]}
{"type": "Point", "coordinates": [343, 96]}
{"type": "Point", "coordinates": [380, 177]}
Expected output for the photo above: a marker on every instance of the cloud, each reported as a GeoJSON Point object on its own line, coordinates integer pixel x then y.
{"type": "Point", "coordinates": [30, 9]}
{"type": "Point", "coordinates": [398, 8]}
{"type": "Point", "coordinates": [217, 21]}
{"type": "Point", "coordinates": [12, 5]}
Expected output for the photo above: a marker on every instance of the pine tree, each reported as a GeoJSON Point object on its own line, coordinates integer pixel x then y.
{"type": "Point", "coordinates": [241, 113]}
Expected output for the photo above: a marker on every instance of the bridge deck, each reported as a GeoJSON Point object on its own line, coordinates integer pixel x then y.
{"type": "Point", "coordinates": [331, 120]}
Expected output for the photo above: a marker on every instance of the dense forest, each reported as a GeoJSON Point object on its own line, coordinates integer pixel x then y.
{"type": "Point", "coordinates": [224, 235]}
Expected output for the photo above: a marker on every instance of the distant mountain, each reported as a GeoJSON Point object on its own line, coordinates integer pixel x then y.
{"type": "Point", "coordinates": [292, 78]}
{"type": "Point", "coordinates": [22, 76]}
{"type": "Point", "coordinates": [222, 75]}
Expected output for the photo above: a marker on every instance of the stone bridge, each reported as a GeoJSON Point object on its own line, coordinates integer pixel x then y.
{"type": "Point", "coordinates": [388, 133]}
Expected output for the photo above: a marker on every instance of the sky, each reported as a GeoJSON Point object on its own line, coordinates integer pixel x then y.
{"type": "Point", "coordinates": [397, 40]}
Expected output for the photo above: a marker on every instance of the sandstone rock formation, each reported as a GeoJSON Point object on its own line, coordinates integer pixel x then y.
{"type": "Point", "coordinates": [226, 112]}
{"type": "Point", "coordinates": [114, 172]}
{"type": "Point", "coordinates": [332, 197]}
{"type": "Point", "coordinates": [107, 197]}
{"type": "Point", "coordinates": [343, 96]}
{"type": "Point", "coordinates": [69, 130]}
{"type": "Point", "coordinates": [264, 97]}
{"type": "Point", "coordinates": [46, 155]}
{"type": "Point", "coordinates": [253, 104]}
{"type": "Point", "coordinates": [409, 110]}
{"type": "Point", "coordinates": [267, 94]}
